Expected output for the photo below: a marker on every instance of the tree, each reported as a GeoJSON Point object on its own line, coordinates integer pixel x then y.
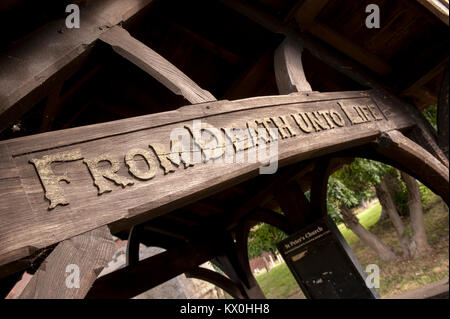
{"type": "Point", "coordinates": [342, 196]}
{"type": "Point", "coordinates": [419, 243]}
{"type": "Point", "coordinates": [393, 197]}
{"type": "Point", "coordinates": [264, 237]}
{"type": "Point", "coordinates": [387, 202]}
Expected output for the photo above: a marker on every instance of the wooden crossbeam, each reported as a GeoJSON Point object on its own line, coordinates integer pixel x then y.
{"type": "Point", "coordinates": [83, 257]}
{"type": "Point", "coordinates": [148, 273]}
{"type": "Point", "coordinates": [53, 54]}
{"type": "Point", "coordinates": [155, 65]}
{"type": "Point", "coordinates": [428, 76]}
{"type": "Point", "coordinates": [305, 17]}
{"type": "Point", "coordinates": [288, 66]}
{"type": "Point", "coordinates": [438, 7]}
{"type": "Point", "coordinates": [216, 279]}
{"type": "Point", "coordinates": [342, 64]}
{"type": "Point", "coordinates": [308, 11]}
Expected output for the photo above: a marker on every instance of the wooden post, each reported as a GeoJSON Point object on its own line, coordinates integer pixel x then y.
{"type": "Point", "coordinates": [72, 267]}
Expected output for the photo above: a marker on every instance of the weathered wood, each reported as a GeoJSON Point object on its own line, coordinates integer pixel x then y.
{"type": "Point", "coordinates": [52, 107]}
{"type": "Point", "coordinates": [28, 221]}
{"type": "Point", "coordinates": [340, 42]}
{"type": "Point", "coordinates": [216, 279]}
{"type": "Point", "coordinates": [53, 54]}
{"type": "Point", "coordinates": [319, 187]}
{"type": "Point", "coordinates": [90, 252]}
{"type": "Point", "coordinates": [132, 280]}
{"type": "Point", "coordinates": [234, 263]}
{"type": "Point", "coordinates": [305, 17]}
{"type": "Point", "coordinates": [293, 203]}
{"type": "Point", "coordinates": [415, 161]}
{"type": "Point", "coordinates": [260, 196]}
{"type": "Point", "coordinates": [155, 65]}
{"type": "Point", "coordinates": [289, 71]}
{"type": "Point", "coordinates": [308, 11]}
{"type": "Point", "coordinates": [424, 79]}
{"type": "Point", "coordinates": [133, 245]}
{"type": "Point", "coordinates": [438, 8]}
{"type": "Point", "coordinates": [342, 64]}
{"type": "Point", "coordinates": [442, 115]}
{"type": "Point", "coordinates": [262, 215]}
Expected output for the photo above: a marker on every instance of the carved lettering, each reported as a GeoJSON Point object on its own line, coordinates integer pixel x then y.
{"type": "Point", "coordinates": [131, 163]}
{"type": "Point", "coordinates": [50, 181]}
{"type": "Point", "coordinates": [283, 126]}
{"type": "Point", "coordinates": [375, 113]}
{"type": "Point", "coordinates": [266, 123]}
{"type": "Point", "coordinates": [101, 175]}
{"type": "Point", "coordinates": [303, 122]}
{"type": "Point", "coordinates": [337, 118]}
{"type": "Point", "coordinates": [317, 121]}
{"type": "Point", "coordinates": [213, 147]}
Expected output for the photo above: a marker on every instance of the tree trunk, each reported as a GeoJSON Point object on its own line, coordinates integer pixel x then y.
{"type": "Point", "coordinates": [387, 203]}
{"type": "Point", "coordinates": [382, 250]}
{"type": "Point", "coordinates": [419, 243]}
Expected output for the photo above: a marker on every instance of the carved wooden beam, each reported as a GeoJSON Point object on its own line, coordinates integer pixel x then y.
{"type": "Point", "coordinates": [342, 64]}
{"type": "Point", "coordinates": [155, 65]}
{"type": "Point", "coordinates": [53, 54]}
{"type": "Point", "coordinates": [113, 167]}
{"type": "Point", "coordinates": [289, 69]}
{"type": "Point", "coordinates": [415, 161]}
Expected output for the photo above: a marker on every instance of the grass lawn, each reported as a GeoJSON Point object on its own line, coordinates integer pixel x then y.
{"type": "Point", "coordinates": [396, 276]}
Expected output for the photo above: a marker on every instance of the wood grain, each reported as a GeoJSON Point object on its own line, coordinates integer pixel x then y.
{"type": "Point", "coordinates": [155, 65]}
{"type": "Point", "coordinates": [91, 252]}
{"type": "Point", "coordinates": [54, 53]}
{"type": "Point", "coordinates": [26, 221]}
{"type": "Point", "coordinates": [289, 71]}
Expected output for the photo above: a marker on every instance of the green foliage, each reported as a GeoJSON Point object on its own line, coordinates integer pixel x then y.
{"type": "Point", "coordinates": [353, 183]}
{"type": "Point", "coordinates": [430, 113]}
{"type": "Point", "coordinates": [263, 237]}
{"type": "Point", "coordinates": [400, 194]}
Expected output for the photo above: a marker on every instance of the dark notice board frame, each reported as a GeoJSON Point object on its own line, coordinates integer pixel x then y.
{"type": "Point", "coordinates": [329, 236]}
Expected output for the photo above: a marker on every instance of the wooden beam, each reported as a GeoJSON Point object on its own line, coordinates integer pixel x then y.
{"type": "Point", "coordinates": [308, 11]}
{"type": "Point", "coordinates": [351, 49]}
{"type": "Point", "coordinates": [155, 65]}
{"type": "Point", "coordinates": [250, 79]}
{"type": "Point", "coordinates": [427, 77]}
{"type": "Point", "coordinates": [442, 115]}
{"type": "Point", "coordinates": [89, 253]}
{"type": "Point", "coordinates": [206, 44]}
{"type": "Point", "coordinates": [289, 72]}
{"type": "Point", "coordinates": [148, 273]}
{"type": "Point", "coordinates": [34, 222]}
{"type": "Point", "coordinates": [305, 18]}
{"type": "Point", "coordinates": [216, 279]}
{"type": "Point", "coordinates": [52, 108]}
{"type": "Point", "coordinates": [438, 7]}
{"type": "Point", "coordinates": [341, 63]}
{"type": "Point", "coordinates": [415, 161]}
{"type": "Point", "coordinates": [30, 68]}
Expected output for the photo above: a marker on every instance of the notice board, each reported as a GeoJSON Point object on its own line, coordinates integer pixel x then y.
{"type": "Point", "coordinates": [323, 264]}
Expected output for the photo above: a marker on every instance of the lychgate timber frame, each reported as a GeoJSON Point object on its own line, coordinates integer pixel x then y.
{"type": "Point", "coordinates": [80, 185]}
